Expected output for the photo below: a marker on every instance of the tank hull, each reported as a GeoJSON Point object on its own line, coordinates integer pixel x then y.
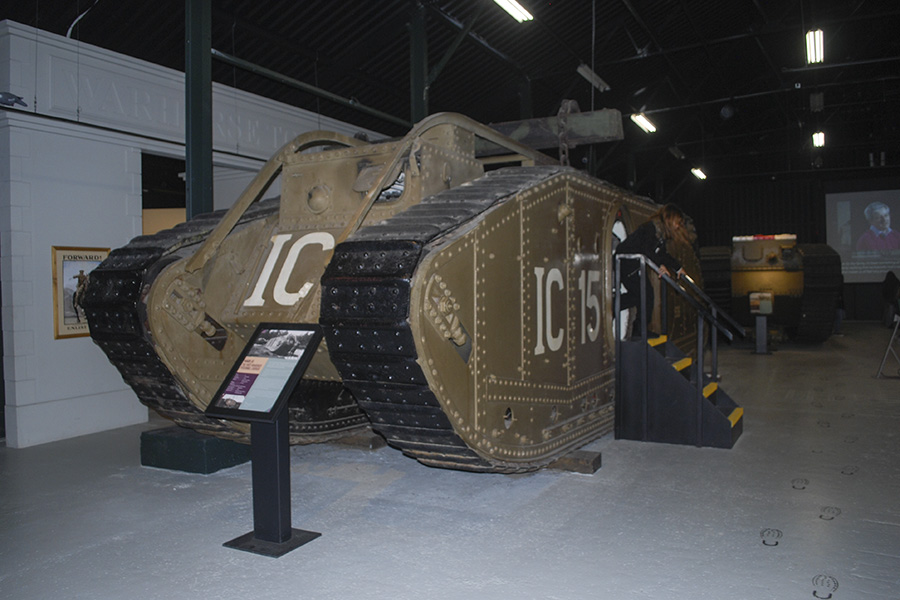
{"type": "Point", "coordinates": [467, 315]}
{"type": "Point", "coordinates": [500, 351]}
{"type": "Point", "coordinates": [796, 286]}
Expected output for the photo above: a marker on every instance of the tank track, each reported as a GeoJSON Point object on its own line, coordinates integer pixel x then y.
{"type": "Point", "coordinates": [114, 305]}
{"type": "Point", "coordinates": [365, 316]}
{"type": "Point", "coordinates": [821, 286]}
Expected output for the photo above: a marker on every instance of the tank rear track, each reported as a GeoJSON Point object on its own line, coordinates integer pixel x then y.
{"type": "Point", "coordinates": [821, 287]}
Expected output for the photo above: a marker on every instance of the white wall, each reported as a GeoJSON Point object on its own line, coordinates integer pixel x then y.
{"type": "Point", "coordinates": [66, 79]}
{"type": "Point", "coordinates": [229, 183]}
{"type": "Point", "coordinates": [61, 190]}
{"type": "Point", "coordinates": [70, 175]}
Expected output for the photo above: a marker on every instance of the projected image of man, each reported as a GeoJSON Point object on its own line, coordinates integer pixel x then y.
{"type": "Point", "coordinates": [879, 235]}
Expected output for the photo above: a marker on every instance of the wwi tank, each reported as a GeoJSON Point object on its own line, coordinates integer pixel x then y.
{"type": "Point", "coordinates": [796, 285]}
{"type": "Point", "coordinates": [467, 313]}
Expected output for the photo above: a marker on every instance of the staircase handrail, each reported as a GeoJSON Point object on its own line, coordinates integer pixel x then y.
{"type": "Point", "coordinates": [710, 315]}
{"type": "Point", "coordinates": [704, 313]}
{"type": "Point", "coordinates": [712, 304]}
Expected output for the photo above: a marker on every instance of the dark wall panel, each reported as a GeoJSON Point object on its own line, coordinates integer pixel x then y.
{"type": "Point", "coordinates": [725, 209]}
{"type": "Point", "coordinates": [863, 302]}
{"type": "Point", "coordinates": [722, 209]}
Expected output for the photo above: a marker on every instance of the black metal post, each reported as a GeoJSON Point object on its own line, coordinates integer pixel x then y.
{"type": "Point", "coordinates": [714, 345]}
{"type": "Point", "coordinates": [644, 320]}
{"type": "Point", "coordinates": [645, 350]}
{"type": "Point", "coordinates": [617, 324]}
{"type": "Point", "coordinates": [663, 310]}
{"type": "Point", "coordinates": [198, 107]}
{"type": "Point", "coordinates": [699, 379]}
{"type": "Point", "coordinates": [272, 534]}
{"type": "Point", "coordinates": [418, 64]}
{"type": "Point", "coordinates": [272, 468]}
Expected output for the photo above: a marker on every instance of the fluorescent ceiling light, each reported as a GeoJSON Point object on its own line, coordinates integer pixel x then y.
{"type": "Point", "coordinates": [515, 10]}
{"type": "Point", "coordinates": [594, 79]}
{"type": "Point", "coordinates": [698, 173]}
{"type": "Point", "coordinates": [815, 46]}
{"type": "Point", "coordinates": [643, 122]}
{"type": "Point", "coordinates": [819, 139]}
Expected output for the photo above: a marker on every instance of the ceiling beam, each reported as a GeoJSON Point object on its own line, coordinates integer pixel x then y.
{"type": "Point", "coordinates": [653, 38]}
{"type": "Point", "coordinates": [480, 41]}
{"type": "Point", "coordinates": [292, 47]}
{"type": "Point", "coordinates": [448, 54]}
{"type": "Point", "coordinates": [782, 29]}
{"type": "Point", "coordinates": [305, 87]}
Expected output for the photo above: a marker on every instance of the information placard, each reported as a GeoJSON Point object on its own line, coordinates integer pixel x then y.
{"type": "Point", "coordinates": [265, 374]}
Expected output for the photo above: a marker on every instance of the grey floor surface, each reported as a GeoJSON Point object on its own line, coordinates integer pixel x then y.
{"type": "Point", "coordinates": [806, 505]}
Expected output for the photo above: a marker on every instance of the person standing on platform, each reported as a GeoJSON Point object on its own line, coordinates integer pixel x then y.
{"type": "Point", "coordinates": [649, 239]}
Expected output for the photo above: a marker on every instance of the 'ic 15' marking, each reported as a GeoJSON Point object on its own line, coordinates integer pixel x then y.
{"type": "Point", "coordinates": [589, 301]}
{"type": "Point", "coordinates": [279, 292]}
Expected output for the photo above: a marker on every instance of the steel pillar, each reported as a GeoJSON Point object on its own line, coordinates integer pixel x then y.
{"type": "Point", "coordinates": [198, 106]}
{"type": "Point", "coordinates": [418, 64]}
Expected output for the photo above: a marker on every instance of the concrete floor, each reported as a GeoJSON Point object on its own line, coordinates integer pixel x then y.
{"type": "Point", "coordinates": [806, 504]}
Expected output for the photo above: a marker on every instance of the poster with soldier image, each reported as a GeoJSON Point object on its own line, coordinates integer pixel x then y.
{"type": "Point", "coordinates": [71, 272]}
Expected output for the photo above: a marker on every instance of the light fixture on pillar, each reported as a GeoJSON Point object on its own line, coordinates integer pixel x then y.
{"type": "Point", "coordinates": [515, 10]}
{"type": "Point", "coordinates": [818, 139]}
{"type": "Point", "coordinates": [815, 46]}
{"type": "Point", "coordinates": [698, 173]}
{"type": "Point", "coordinates": [594, 79]}
{"type": "Point", "coordinates": [643, 122]}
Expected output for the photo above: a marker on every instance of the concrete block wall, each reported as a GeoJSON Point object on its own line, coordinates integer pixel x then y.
{"type": "Point", "coordinates": [63, 189]}
{"type": "Point", "coordinates": [70, 175]}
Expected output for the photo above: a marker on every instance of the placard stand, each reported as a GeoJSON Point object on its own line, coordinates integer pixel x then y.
{"type": "Point", "coordinates": [272, 533]}
{"type": "Point", "coordinates": [762, 335]}
{"type": "Point", "coordinates": [761, 306]}
{"type": "Point", "coordinates": [257, 391]}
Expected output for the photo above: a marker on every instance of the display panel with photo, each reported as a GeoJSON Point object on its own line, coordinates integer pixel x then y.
{"type": "Point", "coordinates": [862, 228]}
{"type": "Point", "coordinates": [265, 374]}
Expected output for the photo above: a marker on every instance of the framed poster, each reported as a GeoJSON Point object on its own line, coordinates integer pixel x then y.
{"type": "Point", "coordinates": [71, 270]}
{"type": "Point", "coordinates": [266, 372]}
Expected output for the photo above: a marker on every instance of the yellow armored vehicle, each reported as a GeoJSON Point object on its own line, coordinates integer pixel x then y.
{"type": "Point", "coordinates": [465, 296]}
{"type": "Point", "coordinates": [796, 285]}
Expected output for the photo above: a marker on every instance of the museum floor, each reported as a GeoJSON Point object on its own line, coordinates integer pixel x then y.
{"type": "Point", "coordinates": [807, 503]}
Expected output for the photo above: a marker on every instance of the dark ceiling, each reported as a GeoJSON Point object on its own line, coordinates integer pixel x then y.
{"type": "Point", "coordinates": [726, 82]}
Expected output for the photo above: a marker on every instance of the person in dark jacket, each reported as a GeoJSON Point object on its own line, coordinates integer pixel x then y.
{"type": "Point", "coordinates": [649, 239]}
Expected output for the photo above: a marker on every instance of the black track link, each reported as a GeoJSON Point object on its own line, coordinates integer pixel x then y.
{"type": "Point", "coordinates": [113, 304]}
{"type": "Point", "coordinates": [116, 314]}
{"type": "Point", "coordinates": [365, 315]}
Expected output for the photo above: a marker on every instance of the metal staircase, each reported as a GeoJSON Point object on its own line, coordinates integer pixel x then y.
{"type": "Point", "coordinates": [664, 395]}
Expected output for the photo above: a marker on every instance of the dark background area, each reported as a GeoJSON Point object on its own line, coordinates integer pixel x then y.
{"type": "Point", "coordinates": [162, 182]}
{"type": "Point", "coordinates": [726, 84]}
